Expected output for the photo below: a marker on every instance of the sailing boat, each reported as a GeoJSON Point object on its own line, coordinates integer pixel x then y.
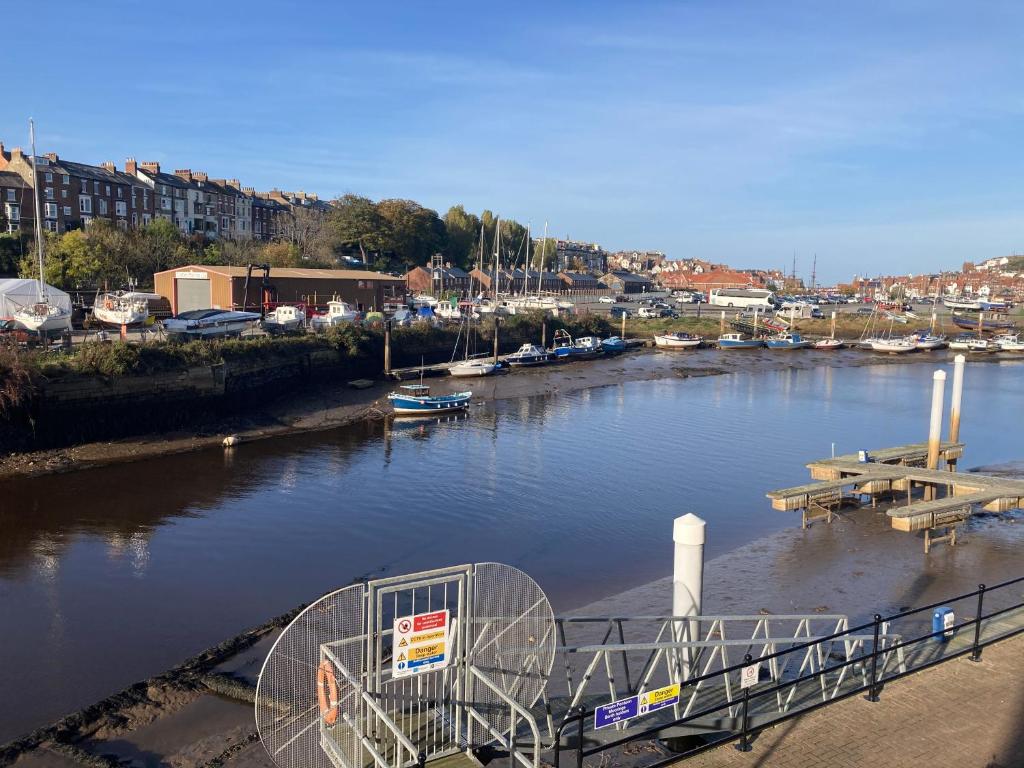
{"type": "Point", "coordinates": [43, 316]}
{"type": "Point", "coordinates": [470, 367]}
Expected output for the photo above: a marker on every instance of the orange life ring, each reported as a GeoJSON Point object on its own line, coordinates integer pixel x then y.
{"type": "Point", "coordinates": [327, 698]}
{"type": "Point", "coordinates": [108, 303]}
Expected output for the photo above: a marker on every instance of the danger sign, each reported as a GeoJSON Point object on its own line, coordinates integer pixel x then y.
{"type": "Point", "coordinates": [420, 644]}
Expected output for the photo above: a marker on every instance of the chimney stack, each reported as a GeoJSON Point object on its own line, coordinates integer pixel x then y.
{"type": "Point", "coordinates": [52, 157]}
{"type": "Point", "coordinates": [109, 166]}
{"type": "Point", "coordinates": [184, 173]}
{"type": "Point", "coordinates": [130, 166]}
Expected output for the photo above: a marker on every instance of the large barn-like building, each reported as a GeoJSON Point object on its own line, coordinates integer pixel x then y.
{"type": "Point", "coordinates": [222, 287]}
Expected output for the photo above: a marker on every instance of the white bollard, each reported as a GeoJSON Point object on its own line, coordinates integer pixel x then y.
{"type": "Point", "coordinates": [688, 578]}
{"type": "Point", "coordinates": [958, 392]}
{"type": "Point", "coordinates": [935, 426]}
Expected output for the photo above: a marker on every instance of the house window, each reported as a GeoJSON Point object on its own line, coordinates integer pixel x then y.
{"type": "Point", "coordinates": [51, 210]}
{"type": "Point", "coordinates": [106, 187]}
{"type": "Point", "coordinates": [103, 206]}
{"type": "Point", "coordinates": [50, 226]}
{"type": "Point", "coordinates": [64, 193]}
{"type": "Point", "coordinates": [85, 186]}
{"type": "Point", "coordinates": [120, 208]}
{"type": "Point", "coordinates": [122, 224]}
{"type": "Point", "coordinates": [145, 218]}
{"type": "Point", "coordinates": [65, 179]}
{"type": "Point", "coordinates": [13, 212]}
{"type": "Point", "coordinates": [85, 205]}
{"type": "Point", "coordinates": [120, 193]}
{"type": "Point", "coordinates": [145, 198]}
{"type": "Point", "coordinates": [165, 203]}
{"type": "Point", "coordinates": [49, 177]}
{"type": "Point", "coordinates": [67, 210]}
{"type": "Point", "coordinates": [11, 195]}
{"type": "Point", "coordinates": [135, 219]}
{"type": "Point", "coordinates": [49, 193]}
{"type": "Point", "coordinates": [224, 223]}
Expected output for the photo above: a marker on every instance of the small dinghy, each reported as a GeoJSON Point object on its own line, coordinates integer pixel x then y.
{"type": "Point", "coordinates": [893, 346]}
{"type": "Point", "coordinates": [416, 399]}
{"type": "Point", "coordinates": [470, 368]}
{"type": "Point", "coordinates": [828, 345]}
{"type": "Point", "coordinates": [677, 341]}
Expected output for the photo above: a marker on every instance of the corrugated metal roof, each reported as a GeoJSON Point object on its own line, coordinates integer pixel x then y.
{"type": "Point", "coordinates": [296, 272]}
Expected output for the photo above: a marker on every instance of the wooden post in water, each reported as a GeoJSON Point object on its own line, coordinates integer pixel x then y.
{"type": "Point", "coordinates": [497, 322]}
{"type": "Point", "coordinates": [623, 325]}
{"type": "Point", "coordinates": [792, 318]}
{"type": "Point", "coordinates": [935, 426]}
{"type": "Point", "coordinates": [833, 323]}
{"type": "Point", "coordinates": [543, 334]}
{"type": "Point", "coordinates": [721, 324]}
{"type": "Point", "coordinates": [387, 348]}
{"type": "Point", "coordinates": [981, 324]}
{"type": "Point", "coordinates": [959, 363]}
{"type": "Point", "coordinates": [935, 317]}
{"type": "Point", "coordinates": [756, 314]}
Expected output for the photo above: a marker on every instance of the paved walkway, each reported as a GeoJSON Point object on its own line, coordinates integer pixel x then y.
{"type": "Point", "coordinates": [960, 714]}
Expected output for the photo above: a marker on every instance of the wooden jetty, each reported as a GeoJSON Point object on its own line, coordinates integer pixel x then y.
{"type": "Point", "coordinates": [949, 497]}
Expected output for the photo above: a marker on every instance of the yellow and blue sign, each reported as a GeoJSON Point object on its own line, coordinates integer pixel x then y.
{"type": "Point", "coordinates": [636, 706]}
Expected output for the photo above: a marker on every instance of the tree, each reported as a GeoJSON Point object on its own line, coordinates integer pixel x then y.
{"type": "Point", "coordinates": [463, 236]}
{"type": "Point", "coordinates": [159, 246]}
{"type": "Point", "coordinates": [414, 232]}
{"type": "Point", "coordinates": [73, 261]}
{"type": "Point", "coordinates": [547, 252]}
{"type": "Point", "coordinates": [280, 254]}
{"type": "Point", "coordinates": [13, 247]}
{"type": "Point", "coordinates": [307, 230]}
{"type": "Point", "coordinates": [355, 225]}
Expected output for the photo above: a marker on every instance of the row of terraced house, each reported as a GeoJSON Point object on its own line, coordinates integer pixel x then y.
{"type": "Point", "coordinates": [73, 194]}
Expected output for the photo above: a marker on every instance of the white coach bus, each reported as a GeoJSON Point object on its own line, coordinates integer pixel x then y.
{"type": "Point", "coordinates": [742, 297]}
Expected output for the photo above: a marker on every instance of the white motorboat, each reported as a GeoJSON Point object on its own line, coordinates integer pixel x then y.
{"type": "Point", "coordinates": [423, 300]}
{"type": "Point", "coordinates": [828, 345]}
{"type": "Point", "coordinates": [1009, 342]}
{"type": "Point", "coordinates": [338, 312]}
{"type": "Point", "coordinates": [469, 368]}
{"type": "Point", "coordinates": [123, 307]}
{"type": "Point", "coordinates": [44, 315]}
{"type": "Point", "coordinates": [528, 354]}
{"type": "Point", "coordinates": [893, 346]}
{"type": "Point", "coordinates": [960, 343]}
{"type": "Point", "coordinates": [210, 323]}
{"type": "Point", "coordinates": [677, 341]}
{"type": "Point", "coordinates": [446, 311]}
{"type": "Point", "coordinates": [285, 319]}
{"type": "Point", "coordinates": [981, 345]}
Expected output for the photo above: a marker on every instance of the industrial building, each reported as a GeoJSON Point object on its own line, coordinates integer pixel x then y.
{"type": "Point", "coordinates": [222, 287]}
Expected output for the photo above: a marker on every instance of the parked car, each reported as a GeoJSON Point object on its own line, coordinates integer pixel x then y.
{"type": "Point", "coordinates": [606, 300]}
{"type": "Point", "coordinates": [621, 312]}
{"type": "Point", "coordinates": [622, 297]}
{"type": "Point", "coordinates": [649, 312]}
{"type": "Point", "coordinates": [667, 313]}
{"type": "Point", "coordinates": [661, 305]}
{"type": "Point", "coordinates": [867, 310]}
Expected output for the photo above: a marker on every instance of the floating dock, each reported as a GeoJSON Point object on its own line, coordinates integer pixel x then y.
{"type": "Point", "coordinates": [949, 497]}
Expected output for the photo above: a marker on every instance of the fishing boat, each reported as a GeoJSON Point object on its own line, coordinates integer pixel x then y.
{"type": "Point", "coordinates": [893, 345]}
{"type": "Point", "coordinates": [586, 348]}
{"type": "Point", "coordinates": [787, 340]}
{"type": "Point", "coordinates": [44, 315]}
{"type": "Point", "coordinates": [960, 343]}
{"type": "Point", "coordinates": [470, 368]}
{"type": "Point", "coordinates": [528, 354]}
{"type": "Point", "coordinates": [1009, 342]}
{"type": "Point", "coordinates": [613, 345]}
{"type": "Point", "coordinates": [828, 345]}
{"type": "Point", "coordinates": [209, 323]}
{"type": "Point", "coordinates": [119, 308]}
{"type": "Point", "coordinates": [995, 323]}
{"type": "Point", "coordinates": [928, 341]}
{"type": "Point", "coordinates": [981, 345]}
{"type": "Point", "coordinates": [972, 305]}
{"type": "Point", "coordinates": [677, 340]}
{"type": "Point", "coordinates": [738, 341]}
{"type": "Point", "coordinates": [284, 319]}
{"type": "Point", "coordinates": [338, 312]}
{"type": "Point", "coordinates": [416, 399]}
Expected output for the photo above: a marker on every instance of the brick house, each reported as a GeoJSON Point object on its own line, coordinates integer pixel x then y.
{"type": "Point", "coordinates": [74, 194]}
{"type": "Point", "coordinates": [266, 214]}
{"type": "Point", "coordinates": [16, 202]}
{"type": "Point", "coordinates": [428, 280]}
{"type": "Point", "coordinates": [170, 193]}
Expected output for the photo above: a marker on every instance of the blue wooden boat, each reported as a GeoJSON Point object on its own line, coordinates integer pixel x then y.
{"type": "Point", "coordinates": [416, 399]}
{"type": "Point", "coordinates": [988, 323]}
{"type": "Point", "coordinates": [613, 345]}
{"type": "Point", "coordinates": [787, 340]}
{"type": "Point", "coordinates": [738, 341]}
{"type": "Point", "coordinates": [564, 347]}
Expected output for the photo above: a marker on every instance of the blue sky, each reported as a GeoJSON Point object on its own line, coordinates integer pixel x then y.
{"type": "Point", "coordinates": [884, 137]}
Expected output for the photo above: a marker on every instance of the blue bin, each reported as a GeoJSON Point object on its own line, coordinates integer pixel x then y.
{"type": "Point", "coordinates": [942, 622]}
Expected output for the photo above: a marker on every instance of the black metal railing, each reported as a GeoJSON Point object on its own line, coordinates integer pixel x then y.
{"type": "Point", "coordinates": [933, 645]}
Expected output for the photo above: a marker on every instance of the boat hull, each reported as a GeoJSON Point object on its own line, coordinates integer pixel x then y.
{"type": "Point", "coordinates": [787, 345]}
{"type": "Point", "coordinates": [470, 370]}
{"type": "Point", "coordinates": [892, 348]}
{"type": "Point", "coordinates": [44, 323]}
{"type": "Point", "coordinates": [119, 317]}
{"type": "Point", "coordinates": [409, 405]}
{"type": "Point", "coordinates": [749, 344]}
{"type": "Point", "coordinates": [971, 324]}
{"type": "Point", "coordinates": [674, 342]}
{"type": "Point", "coordinates": [828, 345]}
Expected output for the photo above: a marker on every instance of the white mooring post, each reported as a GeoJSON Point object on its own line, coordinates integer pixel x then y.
{"type": "Point", "coordinates": [958, 392]}
{"type": "Point", "coordinates": [935, 428]}
{"type": "Point", "coordinates": [688, 578]}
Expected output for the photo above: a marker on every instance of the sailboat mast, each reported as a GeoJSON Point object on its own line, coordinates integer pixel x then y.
{"type": "Point", "coordinates": [497, 258]}
{"type": "Point", "coordinates": [526, 274]}
{"type": "Point", "coordinates": [540, 257]}
{"type": "Point", "coordinates": [39, 213]}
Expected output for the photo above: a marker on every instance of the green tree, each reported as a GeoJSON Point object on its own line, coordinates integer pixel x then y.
{"type": "Point", "coordinates": [463, 236]}
{"type": "Point", "coordinates": [356, 225]}
{"type": "Point", "coordinates": [414, 232]}
{"type": "Point", "coordinates": [73, 261]}
{"type": "Point", "coordinates": [13, 247]}
{"type": "Point", "coordinates": [546, 250]}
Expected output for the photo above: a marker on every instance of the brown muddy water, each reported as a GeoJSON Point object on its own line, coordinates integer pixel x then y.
{"type": "Point", "coordinates": [112, 575]}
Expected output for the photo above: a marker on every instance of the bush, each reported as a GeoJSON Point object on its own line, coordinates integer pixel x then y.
{"type": "Point", "coordinates": [117, 359]}
{"type": "Point", "coordinates": [18, 373]}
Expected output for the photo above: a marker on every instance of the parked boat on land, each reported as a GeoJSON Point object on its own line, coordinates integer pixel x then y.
{"type": "Point", "coordinates": [960, 343]}
{"type": "Point", "coordinates": [928, 341]}
{"type": "Point", "coordinates": [828, 345]}
{"type": "Point", "coordinates": [338, 312]}
{"type": "Point", "coordinates": [677, 340]}
{"type": "Point", "coordinates": [738, 341]}
{"type": "Point", "coordinates": [981, 345]}
{"type": "Point", "coordinates": [285, 319]}
{"type": "Point", "coordinates": [787, 340]}
{"type": "Point", "coordinates": [209, 323]}
{"type": "Point", "coordinates": [416, 399]}
{"type": "Point", "coordinates": [893, 346]}
{"type": "Point", "coordinates": [119, 308]}
{"type": "Point", "coordinates": [528, 354]}
{"type": "Point", "coordinates": [964, 303]}
{"type": "Point", "coordinates": [564, 347]}
{"type": "Point", "coordinates": [994, 323]}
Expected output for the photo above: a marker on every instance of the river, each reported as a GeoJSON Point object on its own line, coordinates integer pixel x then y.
{"type": "Point", "coordinates": [112, 575]}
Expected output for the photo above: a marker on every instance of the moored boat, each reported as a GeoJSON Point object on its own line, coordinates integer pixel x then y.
{"type": "Point", "coordinates": [1009, 342]}
{"type": "Point", "coordinates": [928, 341]}
{"type": "Point", "coordinates": [613, 345]}
{"type": "Point", "coordinates": [416, 399]}
{"type": "Point", "coordinates": [738, 341]}
{"type": "Point", "coordinates": [119, 308]}
{"type": "Point", "coordinates": [337, 312]}
{"type": "Point", "coordinates": [470, 368]}
{"type": "Point", "coordinates": [996, 323]}
{"type": "Point", "coordinates": [828, 345]}
{"type": "Point", "coordinates": [787, 340]}
{"type": "Point", "coordinates": [981, 345]}
{"type": "Point", "coordinates": [528, 354]}
{"type": "Point", "coordinates": [586, 348]}
{"type": "Point", "coordinates": [960, 343]}
{"type": "Point", "coordinates": [677, 340]}
{"type": "Point", "coordinates": [284, 319]}
{"type": "Point", "coordinates": [208, 323]}
{"type": "Point", "coordinates": [893, 346]}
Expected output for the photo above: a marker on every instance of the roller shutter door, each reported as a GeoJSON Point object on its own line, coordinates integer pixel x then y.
{"type": "Point", "coordinates": [193, 294]}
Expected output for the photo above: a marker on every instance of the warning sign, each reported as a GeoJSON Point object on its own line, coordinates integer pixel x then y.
{"type": "Point", "coordinates": [420, 644]}
{"type": "Point", "coordinates": [659, 698]}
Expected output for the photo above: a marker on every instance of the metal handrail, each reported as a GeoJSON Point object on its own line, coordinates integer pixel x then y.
{"type": "Point", "coordinates": [515, 708]}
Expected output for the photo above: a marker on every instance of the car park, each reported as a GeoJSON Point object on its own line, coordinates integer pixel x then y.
{"type": "Point", "coordinates": [621, 312]}
{"type": "Point", "coordinates": [649, 312]}
{"type": "Point", "coordinates": [606, 300]}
